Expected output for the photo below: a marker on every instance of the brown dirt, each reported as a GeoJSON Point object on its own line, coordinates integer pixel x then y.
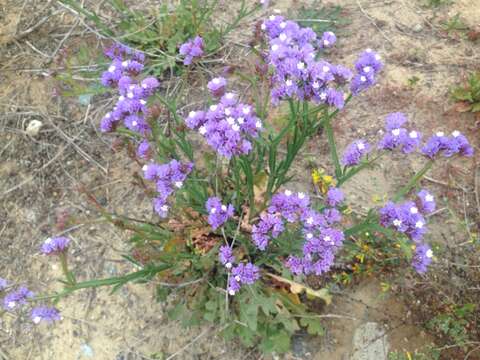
{"type": "Point", "coordinates": [40, 179]}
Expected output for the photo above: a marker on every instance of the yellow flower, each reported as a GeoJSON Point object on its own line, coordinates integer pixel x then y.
{"type": "Point", "coordinates": [316, 176]}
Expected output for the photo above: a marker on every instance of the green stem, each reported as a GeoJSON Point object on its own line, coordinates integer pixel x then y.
{"type": "Point", "coordinates": [333, 149]}
{"type": "Point", "coordinates": [413, 181]}
{"type": "Point", "coordinates": [68, 274]}
{"type": "Point", "coordinates": [348, 175]}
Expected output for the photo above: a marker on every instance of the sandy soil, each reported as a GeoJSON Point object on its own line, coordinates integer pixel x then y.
{"type": "Point", "coordinates": [41, 178]}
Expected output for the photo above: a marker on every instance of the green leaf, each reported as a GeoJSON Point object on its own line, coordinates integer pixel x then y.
{"type": "Point", "coordinates": [313, 325]}
{"type": "Point", "coordinates": [249, 314]}
{"type": "Point", "coordinates": [278, 342]}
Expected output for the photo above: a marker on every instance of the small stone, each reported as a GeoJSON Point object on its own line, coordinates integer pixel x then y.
{"type": "Point", "coordinates": [370, 342]}
{"type": "Point", "coordinates": [417, 28]}
{"type": "Point", "coordinates": [33, 127]}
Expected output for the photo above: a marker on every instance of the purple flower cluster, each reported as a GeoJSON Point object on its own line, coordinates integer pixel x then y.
{"type": "Point", "coordinates": [355, 152]}
{"type": "Point", "coordinates": [408, 219]}
{"type": "Point", "coordinates": [17, 298]}
{"type": "Point", "coordinates": [322, 240]}
{"type": "Point", "coordinates": [448, 145]}
{"type": "Point", "coordinates": [225, 256]}
{"type": "Point", "coordinates": [218, 214]}
{"type": "Point", "coordinates": [240, 275]}
{"type": "Point", "coordinates": [167, 178]}
{"type": "Point", "coordinates": [55, 245]}
{"type": "Point", "coordinates": [131, 107]}
{"type": "Point", "coordinates": [217, 86]}
{"type": "Point", "coordinates": [227, 125]}
{"type": "Point", "coordinates": [422, 258]}
{"type": "Point", "coordinates": [45, 313]}
{"type": "Point", "coordinates": [191, 49]}
{"type": "Point", "coordinates": [297, 74]}
{"type": "Point", "coordinates": [367, 66]}
{"type": "Point", "coordinates": [397, 136]}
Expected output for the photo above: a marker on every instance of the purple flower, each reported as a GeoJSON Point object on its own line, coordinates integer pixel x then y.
{"type": "Point", "coordinates": [422, 258]}
{"type": "Point", "coordinates": [450, 145]}
{"type": "Point", "coordinates": [217, 86]}
{"type": "Point", "coordinates": [218, 214]}
{"type": "Point", "coordinates": [225, 256]}
{"type": "Point", "coordinates": [397, 136]}
{"type": "Point", "coordinates": [119, 52]}
{"type": "Point", "coordinates": [426, 201]}
{"type": "Point", "coordinates": [335, 196]}
{"type": "Point", "coordinates": [435, 144]}
{"type": "Point", "coordinates": [45, 313]}
{"type": "Point", "coordinates": [242, 274]}
{"type": "Point", "coordinates": [354, 152]}
{"type": "Point", "coordinates": [328, 39]}
{"type": "Point", "coordinates": [405, 218]}
{"type": "Point", "coordinates": [191, 49]}
{"type": "Point", "coordinates": [226, 126]}
{"type": "Point", "coordinates": [144, 151]}
{"type": "Point", "coordinates": [367, 66]}
{"type": "Point", "coordinates": [3, 284]}
{"type": "Point", "coordinates": [167, 177]}
{"type": "Point", "coordinates": [56, 245]}
{"type": "Point", "coordinates": [16, 298]}
{"type": "Point", "coordinates": [290, 206]}
{"type": "Point", "coordinates": [295, 265]}
{"type": "Point", "coordinates": [269, 226]}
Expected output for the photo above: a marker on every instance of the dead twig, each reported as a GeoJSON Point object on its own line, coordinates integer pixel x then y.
{"type": "Point", "coordinates": [372, 20]}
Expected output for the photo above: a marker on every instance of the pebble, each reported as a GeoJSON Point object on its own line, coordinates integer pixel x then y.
{"type": "Point", "coordinates": [33, 127]}
{"type": "Point", "coordinates": [417, 28]}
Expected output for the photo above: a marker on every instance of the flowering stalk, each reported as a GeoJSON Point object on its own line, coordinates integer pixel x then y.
{"type": "Point", "coordinates": [69, 275]}
{"type": "Point", "coordinates": [413, 181]}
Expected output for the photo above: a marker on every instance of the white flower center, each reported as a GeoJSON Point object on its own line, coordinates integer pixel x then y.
{"type": "Point", "coordinates": [419, 224]}
{"type": "Point", "coordinates": [327, 238]}
{"type": "Point", "coordinates": [125, 63]}
{"type": "Point", "coordinates": [112, 68]}
{"type": "Point", "coordinates": [397, 222]}
{"type": "Point", "coordinates": [301, 195]}
{"type": "Point", "coordinates": [429, 198]}
{"type": "Point", "coordinates": [413, 210]}
{"type": "Point", "coordinates": [130, 95]}
{"type": "Point", "coordinates": [440, 134]}
{"type": "Point", "coordinates": [429, 253]}
{"type": "Point", "coordinates": [274, 47]}
{"type": "Point", "coordinates": [48, 241]}
{"type": "Point", "coordinates": [413, 134]}
{"type": "Point", "coordinates": [235, 127]}
{"type": "Point", "coordinates": [367, 69]}
{"type": "Point", "coordinates": [164, 208]}
{"type": "Point", "coordinates": [213, 210]}
{"type": "Point", "coordinates": [310, 220]}
{"type": "Point", "coordinates": [229, 96]}
{"type": "Point", "coordinates": [121, 98]}
{"type": "Point", "coordinates": [145, 167]}
{"type": "Point", "coordinates": [283, 25]}
{"type": "Point", "coordinates": [288, 192]}
{"type": "Point", "coordinates": [258, 124]}
{"type": "Point", "coordinates": [263, 27]}
{"type": "Point", "coordinates": [456, 133]}
{"type": "Point", "coordinates": [237, 278]}
{"type": "Point", "coordinates": [37, 319]}
{"type": "Point", "coordinates": [316, 85]}
{"type": "Point", "coordinates": [246, 110]}
{"type": "Point", "coordinates": [179, 184]}
{"type": "Point", "coordinates": [289, 82]}
{"type": "Point", "coordinates": [230, 120]}
{"type": "Point", "coordinates": [231, 292]}
{"type": "Point", "coordinates": [326, 42]}
{"type": "Point", "coordinates": [363, 78]}
{"type": "Point", "coordinates": [309, 235]}
{"type": "Point", "coordinates": [396, 132]}
{"type": "Point", "coordinates": [228, 265]}
{"type": "Point", "coordinates": [377, 57]}
{"type": "Point", "coordinates": [202, 130]}
{"type": "Point", "coordinates": [282, 37]}
{"type": "Point", "coordinates": [360, 146]}
{"type": "Point", "coordinates": [11, 304]}
{"type": "Point", "coordinates": [213, 107]}
{"type": "Point", "coordinates": [107, 115]}
{"type": "Point", "coordinates": [323, 96]}
{"type": "Point", "coordinates": [326, 69]}
{"type": "Point", "coordinates": [191, 114]}
{"type": "Point", "coordinates": [216, 81]}
{"type": "Point", "coordinates": [272, 17]}
{"type": "Point", "coordinates": [224, 208]}
{"type": "Point", "coordinates": [134, 123]}
{"type": "Point", "coordinates": [300, 66]}
{"type": "Point", "coordinates": [143, 102]}
{"type": "Point", "coordinates": [240, 120]}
